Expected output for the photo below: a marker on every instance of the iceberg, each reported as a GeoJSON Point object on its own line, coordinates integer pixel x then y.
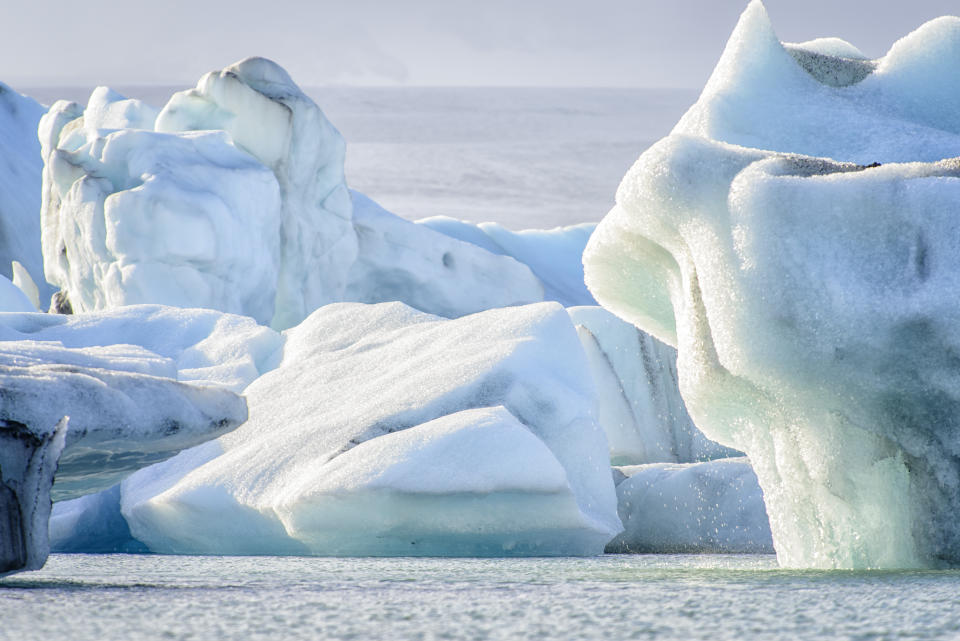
{"type": "Point", "coordinates": [640, 407]}
{"type": "Point", "coordinates": [233, 197]}
{"type": "Point", "coordinates": [709, 507]}
{"type": "Point", "coordinates": [385, 430]}
{"type": "Point", "coordinates": [20, 188]}
{"type": "Point", "coordinates": [134, 216]}
{"type": "Point", "coordinates": [794, 238]}
{"type": "Point", "coordinates": [75, 421]}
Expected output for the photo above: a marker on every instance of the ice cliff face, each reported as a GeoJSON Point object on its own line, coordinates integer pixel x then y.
{"type": "Point", "coordinates": [812, 301]}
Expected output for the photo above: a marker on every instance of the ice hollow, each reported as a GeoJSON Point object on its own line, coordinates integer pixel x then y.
{"type": "Point", "coordinates": [813, 301]}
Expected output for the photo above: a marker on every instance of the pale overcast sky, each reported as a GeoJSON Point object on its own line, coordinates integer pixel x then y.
{"type": "Point", "coordinates": [418, 42]}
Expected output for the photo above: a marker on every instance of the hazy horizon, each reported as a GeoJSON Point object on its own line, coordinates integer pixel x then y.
{"type": "Point", "coordinates": [423, 43]}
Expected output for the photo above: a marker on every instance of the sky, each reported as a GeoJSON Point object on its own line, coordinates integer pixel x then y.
{"type": "Point", "coordinates": [601, 43]}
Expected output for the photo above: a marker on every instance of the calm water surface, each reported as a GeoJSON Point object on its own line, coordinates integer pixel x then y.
{"type": "Point", "coordinates": [105, 597]}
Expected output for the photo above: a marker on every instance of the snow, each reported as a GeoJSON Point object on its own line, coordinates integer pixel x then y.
{"type": "Point", "coordinates": [352, 422]}
{"type": "Point", "coordinates": [20, 166]}
{"type": "Point", "coordinates": [812, 301]}
{"type": "Point", "coordinates": [710, 507]}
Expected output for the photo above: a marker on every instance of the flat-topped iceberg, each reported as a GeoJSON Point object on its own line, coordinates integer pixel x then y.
{"type": "Point", "coordinates": [813, 302]}
{"type": "Point", "coordinates": [385, 430]}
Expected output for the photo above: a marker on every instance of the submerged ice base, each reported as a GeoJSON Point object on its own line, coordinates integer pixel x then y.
{"type": "Point", "coordinates": [813, 301]}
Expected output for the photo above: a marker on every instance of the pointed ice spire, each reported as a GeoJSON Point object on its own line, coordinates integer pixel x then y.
{"type": "Point", "coordinates": [753, 52]}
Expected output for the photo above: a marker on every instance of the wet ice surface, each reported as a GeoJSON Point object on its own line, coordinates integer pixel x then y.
{"type": "Point", "coordinates": [740, 597]}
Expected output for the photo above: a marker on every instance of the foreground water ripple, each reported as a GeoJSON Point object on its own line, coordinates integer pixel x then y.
{"type": "Point", "coordinates": [104, 597]}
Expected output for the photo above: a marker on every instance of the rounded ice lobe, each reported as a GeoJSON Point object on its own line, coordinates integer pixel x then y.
{"type": "Point", "coordinates": [812, 298]}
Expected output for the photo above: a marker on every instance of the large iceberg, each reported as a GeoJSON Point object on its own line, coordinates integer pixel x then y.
{"type": "Point", "coordinates": [75, 421]}
{"type": "Point", "coordinates": [385, 430]}
{"type": "Point", "coordinates": [812, 300]}
{"type": "Point", "coordinates": [233, 197]}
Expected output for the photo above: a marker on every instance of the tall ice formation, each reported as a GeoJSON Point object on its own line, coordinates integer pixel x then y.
{"type": "Point", "coordinates": [796, 238]}
{"type": "Point", "coordinates": [233, 197]}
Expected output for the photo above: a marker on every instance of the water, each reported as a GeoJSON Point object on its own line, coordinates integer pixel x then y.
{"type": "Point", "coordinates": [105, 597]}
{"type": "Point", "coordinates": [526, 158]}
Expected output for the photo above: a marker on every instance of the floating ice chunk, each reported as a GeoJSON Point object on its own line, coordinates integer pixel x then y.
{"type": "Point", "coordinates": [20, 167]}
{"type": "Point", "coordinates": [475, 482]}
{"type": "Point", "coordinates": [354, 374]}
{"type": "Point", "coordinates": [266, 114]}
{"type": "Point", "coordinates": [640, 408]}
{"type": "Point", "coordinates": [75, 421]}
{"type": "Point", "coordinates": [107, 109]}
{"type": "Point", "coordinates": [716, 506]}
{"type": "Point", "coordinates": [133, 216]}
{"type": "Point", "coordinates": [191, 345]}
{"type": "Point", "coordinates": [811, 303]}
{"type": "Point", "coordinates": [554, 255]}
{"type": "Point", "coordinates": [401, 261]}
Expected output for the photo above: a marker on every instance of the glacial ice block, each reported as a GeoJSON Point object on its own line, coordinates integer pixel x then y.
{"type": "Point", "coordinates": [399, 260]}
{"type": "Point", "coordinates": [710, 507]}
{"type": "Point", "coordinates": [266, 114]}
{"type": "Point", "coordinates": [75, 421]}
{"type": "Point", "coordinates": [813, 302]}
{"type": "Point", "coordinates": [386, 430]}
{"type": "Point", "coordinates": [20, 170]}
{"type": "Point", "coordinates": [134, 216]}
{"type": "Point", "coordinates": [640, 407]}
{"type": "Point", "coordinates": [28, 461]}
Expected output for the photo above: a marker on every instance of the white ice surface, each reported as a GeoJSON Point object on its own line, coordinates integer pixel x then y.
{"type": "Point", "coordinates": [327, 436]}
{"type": "Point", "coordinates": [398, 260]}
{"type": "Point", "coordinates": [266, 114]}
{"type": "Point", "coordinates": [553, 255]}
{"type": "Point", "coordinates": [20, 167]}
{"type": "Point", "coordinates": [813, 302]}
